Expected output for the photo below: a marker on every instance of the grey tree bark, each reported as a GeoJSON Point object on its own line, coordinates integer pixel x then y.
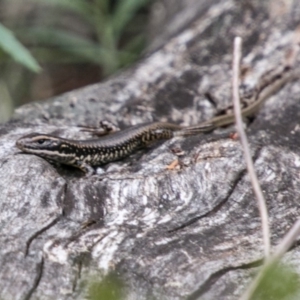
{"type": "Point", "coordinates": [189, 232]}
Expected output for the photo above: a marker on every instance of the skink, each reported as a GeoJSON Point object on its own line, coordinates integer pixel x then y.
{"type": "Point", "coordinates": [84, 154]}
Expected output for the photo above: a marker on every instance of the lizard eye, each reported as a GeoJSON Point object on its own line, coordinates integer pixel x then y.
{"type": "Point", "coordinates": [41, 141]}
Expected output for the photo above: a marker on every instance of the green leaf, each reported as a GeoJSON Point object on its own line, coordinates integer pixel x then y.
{"type": "Point", "coordinates": [66, 43]}
{"type": "Point", "coordinates": [6, 103]}
{"type": "Point", "coordinates": [16, 50]}
{"type": "Point", "coordinates": [82, 7]}
{"type": "Point", "coordinates": [110, 288]}
{"type": "Point", "coordinates": [131, 51]}
{"type": "Point", "coordinates": [279, 283]}
{"type": "Point", "coordinates": [124, 12]}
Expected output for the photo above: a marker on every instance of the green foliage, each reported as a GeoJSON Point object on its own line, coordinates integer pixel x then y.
{"type": "Point", "coordinates": [70, 48]}
{"type": "Point", "coordinates": [278, 283]}
{"type": "Point", "coordinates": [10, 45]}
{"type": "Point", "coordinates": [107, 25]}
{"type": "Point", "coordinates": [104, 33]}
{"type": "Point", "coordinates": [110, 288]}
{"type": "Point", "coordinates": [124, 12]}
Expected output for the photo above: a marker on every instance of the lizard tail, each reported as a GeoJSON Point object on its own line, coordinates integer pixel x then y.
{"type": "Point", "coordinates": [193, 130]}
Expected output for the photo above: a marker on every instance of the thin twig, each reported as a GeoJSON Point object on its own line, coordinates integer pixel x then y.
{"type": "Point", "coordinates": [287, 241]}
{"type": "Point", "coordinates": [294, 232]}
{"type": "Point", "coordinates": [240, 129]}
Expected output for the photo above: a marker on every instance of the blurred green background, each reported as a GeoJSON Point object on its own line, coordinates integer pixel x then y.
{"type": "Point", "coordinates": [48, 47]}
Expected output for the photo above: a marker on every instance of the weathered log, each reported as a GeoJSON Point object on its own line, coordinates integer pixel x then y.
{"type": "Point", "coordinates": [192, 232]}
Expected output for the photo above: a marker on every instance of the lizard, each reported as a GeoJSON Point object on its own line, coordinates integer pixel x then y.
{"type": "Point", "coordinates": [86, 154]}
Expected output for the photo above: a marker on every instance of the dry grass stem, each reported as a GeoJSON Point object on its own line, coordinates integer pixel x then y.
{"type": "Point", "coordinates": [244, 141]}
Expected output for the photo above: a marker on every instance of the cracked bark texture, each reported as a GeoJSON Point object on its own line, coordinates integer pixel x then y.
{"type": "Point", "coordinates": [187, 233]}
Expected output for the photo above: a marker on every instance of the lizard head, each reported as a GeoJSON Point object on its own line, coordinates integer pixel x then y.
{"type": "Point", "coordinates": [46, 146]}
